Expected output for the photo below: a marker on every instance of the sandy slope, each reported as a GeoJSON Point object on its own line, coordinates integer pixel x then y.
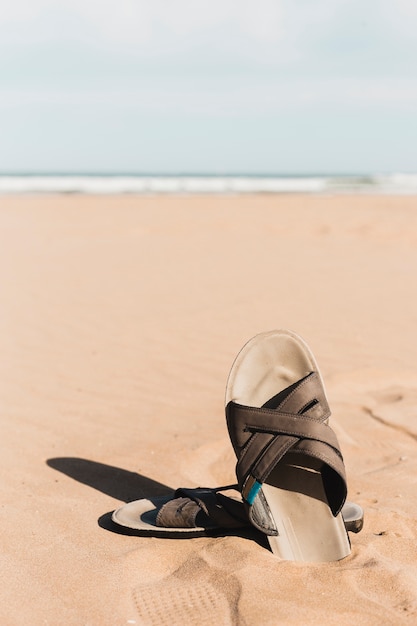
{"type": "Point", "coordinates": [119, 320]}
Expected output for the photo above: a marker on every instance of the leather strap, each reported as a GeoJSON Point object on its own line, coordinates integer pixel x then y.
{"type": "Point", "coordinates": [191, 508]}
{"type": "Point", "coordinates": [295, 421]}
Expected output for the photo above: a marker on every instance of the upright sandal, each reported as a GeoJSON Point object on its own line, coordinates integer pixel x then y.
{"type": "Point", "coordinates": [289, 466]}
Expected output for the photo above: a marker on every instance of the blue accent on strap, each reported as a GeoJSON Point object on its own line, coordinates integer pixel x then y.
{"type": "Point", "coordinates": [253, 492]}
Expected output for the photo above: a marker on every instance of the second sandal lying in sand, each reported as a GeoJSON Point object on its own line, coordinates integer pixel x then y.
{"type": "Point", "coordinates": [289, 466]}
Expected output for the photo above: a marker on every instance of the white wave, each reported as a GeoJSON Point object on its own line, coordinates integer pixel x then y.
{"type": "Point", "coordinates": [397, 183]}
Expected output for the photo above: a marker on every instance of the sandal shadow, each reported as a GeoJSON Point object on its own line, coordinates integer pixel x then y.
{"type": "Point", "coordinates": [128, 486]}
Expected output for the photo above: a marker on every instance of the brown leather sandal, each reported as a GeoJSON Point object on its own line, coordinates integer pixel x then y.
{"type": "Point", "coordinates": [192, 512]}
{"type": "Point", "coordinates": [289, 466]}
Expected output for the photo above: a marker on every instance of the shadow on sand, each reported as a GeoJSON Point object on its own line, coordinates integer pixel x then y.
{"type": "Point", "coordinates": [113, 481]}
{"type": "Point", "coordinates": [128, 486]}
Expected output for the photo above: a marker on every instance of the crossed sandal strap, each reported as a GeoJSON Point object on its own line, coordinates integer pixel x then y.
{"type": "Point", "coordinates": [192, 508]}
{"type": "Point", "coordinates": [295, 421]}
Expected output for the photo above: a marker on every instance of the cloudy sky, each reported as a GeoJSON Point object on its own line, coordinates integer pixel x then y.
{"type": "Point", "coordinates": [220, 86]}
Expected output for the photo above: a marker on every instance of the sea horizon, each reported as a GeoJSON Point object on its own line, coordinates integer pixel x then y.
{"type": "Point", "coordinates": [404, 183]}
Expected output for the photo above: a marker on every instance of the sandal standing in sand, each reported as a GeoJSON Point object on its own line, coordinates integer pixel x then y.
{"type": "Point", "coordinates": [289, 465]}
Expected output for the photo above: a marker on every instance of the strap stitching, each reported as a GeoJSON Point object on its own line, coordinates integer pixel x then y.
{"type": "Point", "coordinates": [291, 446]}
{"type": "Point", "coordinates": [291, 433]}
{"type": "Point", "coordinates": [277, 413]}
{"type": "Point", "coordinates": [312, 376]}
{"type": "Point", "coordinates": [317, 455]}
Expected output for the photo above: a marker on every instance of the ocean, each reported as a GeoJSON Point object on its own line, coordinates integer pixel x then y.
{"type": "Point", "coordinates": [399, 183]}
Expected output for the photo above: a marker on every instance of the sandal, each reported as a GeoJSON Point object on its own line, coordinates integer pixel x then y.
{"type": "Point", "coordinates": [290, 469]}
{"type": "Point", "coordinates": [191, 512]}
{"type": "Point", "coordinates": [201, 511]}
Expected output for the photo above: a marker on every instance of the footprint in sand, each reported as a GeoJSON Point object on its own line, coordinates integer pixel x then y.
{"type": "Point", "coordinates": [196, 593]}
{"type": "Point", "coordinates": [378, 406]}
{"type": "Point", "coordinates": [386, 585]}
{"type": "Point", "coordinates": [397, 407]}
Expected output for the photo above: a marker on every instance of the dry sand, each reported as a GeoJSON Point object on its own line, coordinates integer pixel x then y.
{"type": "Point", "coordinates": [120, 318]}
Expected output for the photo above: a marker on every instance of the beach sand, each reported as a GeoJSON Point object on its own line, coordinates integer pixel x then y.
{"type": "Point", "coordinates": [120, 318]}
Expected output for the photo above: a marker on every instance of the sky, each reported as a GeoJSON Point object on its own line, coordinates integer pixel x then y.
{"type": "Point", "coordinates": [208, 86]}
